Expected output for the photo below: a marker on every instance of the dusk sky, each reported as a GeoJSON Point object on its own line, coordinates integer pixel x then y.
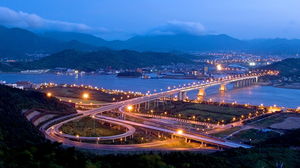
{"type": "Point", "coordinates": [119, 19]}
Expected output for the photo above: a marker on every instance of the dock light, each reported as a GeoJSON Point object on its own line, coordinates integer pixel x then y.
{"type": "Point", "coordinates": [129, 107]}
{"type": "Point", "coordinates": [252, 63]}
{"type": "Point", "coordinates": [85, 96]}
{"type": "Point", "coordinates": [179, 131]}
{"type": "Point", "coordinates": [49, 94]}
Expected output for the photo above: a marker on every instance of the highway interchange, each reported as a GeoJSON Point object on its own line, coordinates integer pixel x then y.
{"type": "Point", "coordinates": [51, 128]}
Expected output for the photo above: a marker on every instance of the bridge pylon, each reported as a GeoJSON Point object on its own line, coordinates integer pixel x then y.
{"type": "Point", "coordinates": [223, 87]}
{"type": "Point", "coordinates": [182, 96]}
{"type": "Point", "coordinates": [201, 92]}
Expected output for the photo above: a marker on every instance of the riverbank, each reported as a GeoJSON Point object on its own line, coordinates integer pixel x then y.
{"type": "Point", "coordinates": [289, 86]}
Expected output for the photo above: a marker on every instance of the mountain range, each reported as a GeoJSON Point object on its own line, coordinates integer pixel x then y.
{"type": "Point", "coordinates": [21, 43]}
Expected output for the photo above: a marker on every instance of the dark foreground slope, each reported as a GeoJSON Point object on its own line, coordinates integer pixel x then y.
{"type": "Point", "coordinates": [22, 146]}
{"type": "Point", "coordinates": [14, 128]}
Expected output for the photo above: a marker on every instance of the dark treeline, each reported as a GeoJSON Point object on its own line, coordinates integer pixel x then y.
{"type": "Point", "coordinates": [288, 67]}
{"type": "Point", "coordinates": [105, 59]}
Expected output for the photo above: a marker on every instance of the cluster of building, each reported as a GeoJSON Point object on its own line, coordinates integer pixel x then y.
{"type": "Point", "coordinates": [21, 84]}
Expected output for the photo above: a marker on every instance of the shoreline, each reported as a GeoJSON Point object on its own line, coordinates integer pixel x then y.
{"type": "Point", "coordinates": [281, 85]}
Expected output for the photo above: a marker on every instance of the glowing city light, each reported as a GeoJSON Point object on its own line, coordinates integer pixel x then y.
{"type": "Point", "coordinates": [252, 63]}
{"type": "Point", "coordinates": [179, 131]}
{"type": "Point", "coordinates": [49, 94]}
{"type": "Point", "coordinates": [219, 67]}
{"type": "Point", "coordinates": [85, 96]}
{"type": "Point", "coordinates": [129, 107]}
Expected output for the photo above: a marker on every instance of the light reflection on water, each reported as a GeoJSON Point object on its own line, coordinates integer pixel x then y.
{"type": "Point", "coordinates": [253, 95]}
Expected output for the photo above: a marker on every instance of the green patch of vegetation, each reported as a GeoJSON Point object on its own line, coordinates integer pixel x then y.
{"type": "Point", "coordinates": [90, 128]}
{"type": "Point", "coordinates": [179, 143]}
{"type": "Point", "coordinates": [268, 121]}
{"type": "Point", "coordinates": [226, 132]}
{"type": "Point", "coordinates": [95, 96]}
{"type": "Point", "coordinates": [81, 101]}
{"type": "Point", "coordinates": [260, 157]}
{"type": "Point", "coordinates": [202, 112]}
{"type": "Point", "coordinates": [253, 136]}
{"type": "Point", "coordinates": [289, 138]}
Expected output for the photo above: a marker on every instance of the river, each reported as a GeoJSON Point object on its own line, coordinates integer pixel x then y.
{"type": "Point", "coordinates": [256, 95]}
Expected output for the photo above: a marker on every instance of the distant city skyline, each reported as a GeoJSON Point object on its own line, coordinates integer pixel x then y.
{"type": "Point", "coordinates": [115, 19]}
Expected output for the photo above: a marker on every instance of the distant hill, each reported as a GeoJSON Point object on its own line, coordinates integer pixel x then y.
{"type": "Point", "coordinates": [186, 43]}
{"type": "Point", "coordinates": [73, 36]}
{"type": "Point", "coordinates": [276, 46]}
{"type": "Point", "coordinates": [90, 61]}
{"type": "Point", "coordinates": [156, 43]}
{"type": "Point", "coordinates": [287, 67]}
{"type": "Point", "coordinates": [22, 44]}
{"type": "Point", "coordinates": [183, 43]}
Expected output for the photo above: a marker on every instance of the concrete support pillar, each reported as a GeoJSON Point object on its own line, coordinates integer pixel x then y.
{"type": "Point", "coordinates": [184, 96]}
{"type": "Point", "coordinates": [246, 82]}
{"type": "Point", "coordinates": [242, 83]}
{"type": "Point", "coordinates": [223, 87]}
{"type": "Point", "coordinates": [179, 96]}
{"type": "Point", "coordinates": [201, 92]}
{"type": "Point", "coordinates": [236, 84]}
{"type": "Point", "coordinates": [147, 105]}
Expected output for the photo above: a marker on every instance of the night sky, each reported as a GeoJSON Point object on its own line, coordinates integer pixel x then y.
{"type": "Point", "coordinates": [120, 19]}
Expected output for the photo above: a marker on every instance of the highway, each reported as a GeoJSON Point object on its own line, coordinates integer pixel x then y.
{"type": "Point", "coordinates": [185, 135]}
{"type": "Point", "coordinates": [52, 132]}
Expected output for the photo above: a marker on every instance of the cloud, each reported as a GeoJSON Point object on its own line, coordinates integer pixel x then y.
{"type": "Point", "coordinates": [179, 27]}
{"type": "Point", "coordinates": [9, 17]}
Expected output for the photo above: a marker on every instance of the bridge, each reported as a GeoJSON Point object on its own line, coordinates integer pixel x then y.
{"type": "Point", "coordinates": [52, 132]}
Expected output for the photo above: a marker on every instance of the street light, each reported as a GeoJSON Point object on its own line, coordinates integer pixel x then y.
{"type": "Point", "coordinates": [85, 96]}
{"type": "Point", "coordinates": [49, 94]}
{"type": "Point", "coordinates": [179, 131]}
{"type": "Point", "coordinates": [219, 67]}
{"type": "Point", "coordinates": [129, 107]}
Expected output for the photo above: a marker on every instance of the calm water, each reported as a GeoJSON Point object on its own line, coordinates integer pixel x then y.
{"type": "Point", "coordinates": [254, 95]}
